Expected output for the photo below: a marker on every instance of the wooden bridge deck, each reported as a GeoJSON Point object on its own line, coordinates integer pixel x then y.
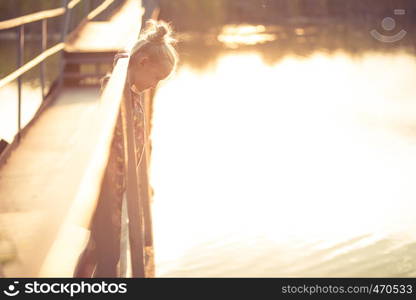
{"type": "Point", "coordinates": [107, 36]}
{"type": "Point", "coordinates": [39, 181]}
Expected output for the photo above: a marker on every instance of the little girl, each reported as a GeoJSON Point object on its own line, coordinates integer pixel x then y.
{"type": "Point", "coordinates": [151, 60]}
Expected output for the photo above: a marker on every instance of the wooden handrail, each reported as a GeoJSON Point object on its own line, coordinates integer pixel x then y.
{"type": "Point", "coordinates": [46, 14]}
{"type": "Point", "coordinates": [73, 3]}
{"type": "Point", "coordinates": [31, 64]}
{"type": "Point", "coordinates": [74, 233]}
{"type": "Point", "coordinates": [38, 16]}
{"type": "Point", "coordinates": [99, 9]}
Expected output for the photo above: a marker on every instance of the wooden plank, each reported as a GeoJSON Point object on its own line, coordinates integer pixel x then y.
{"type": "Point", "coordinates": [87, 59]}
{"type": "Point", "coordinates": [97, 37]}
{"type": "Point", "coordinates": [82, 76]}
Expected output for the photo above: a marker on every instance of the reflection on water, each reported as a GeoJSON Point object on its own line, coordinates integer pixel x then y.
{"type": "Point", "coordinates": [300, 167]}
{"type": "Point", "coordinates": [31, 91]}
{"type": "Point", "coordinates": [31, 101]}
{"type": "Point", "coordinates": [274, 42]}
{"type": "Point", "coordinates": [232, 36]}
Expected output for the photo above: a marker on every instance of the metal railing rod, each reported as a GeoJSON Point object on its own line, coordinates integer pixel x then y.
{"type": "Point", "coordinates": [42, 64]}
{"type": "Point", "coordinates": [87, 7]}
{"type": "Point", "coordinates": [66, 20]}
{"type": "Point", "coordinates": [20, 57]}
{"type": "Point", "coordinates": [46, 53]}
{"type": "Point", "coordinates": [45, 14]}
{"type": "Point", "coordinates": [99, 9]}
{"type": "Point", "coordinates": [33, 63]}
{"type": "Point", "coordinates": [41, 16]}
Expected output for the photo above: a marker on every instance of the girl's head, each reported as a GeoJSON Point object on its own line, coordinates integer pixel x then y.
{"type": "Point", "coordinates": [153, 57]}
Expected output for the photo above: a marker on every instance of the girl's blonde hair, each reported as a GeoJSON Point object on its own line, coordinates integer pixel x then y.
{"type": "Point", "coordinates": [156, 42]}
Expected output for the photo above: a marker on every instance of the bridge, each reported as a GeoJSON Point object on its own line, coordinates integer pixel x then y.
{"type": "Point", "coordinates": [74, 192]}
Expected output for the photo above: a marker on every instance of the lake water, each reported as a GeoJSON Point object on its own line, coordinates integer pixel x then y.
{"type": "Point", "coordinates": [31, 91]}
{"type": "Point", "coordinates": [300, 166]}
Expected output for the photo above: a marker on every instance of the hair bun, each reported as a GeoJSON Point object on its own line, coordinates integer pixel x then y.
{"type": "Point", "coordinates": [157, 31]}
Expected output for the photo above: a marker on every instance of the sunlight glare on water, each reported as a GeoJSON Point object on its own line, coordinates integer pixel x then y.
{"type": "Point", "coordinates": [232, 36]}
{"type": "Point", "coordinates": [31, 101]}
{"type": "Point", "coordinates": [302, 168]}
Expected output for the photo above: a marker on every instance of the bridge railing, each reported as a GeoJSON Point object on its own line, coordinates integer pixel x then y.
{"type": "Point", "coordinates": [90, 238]}
{"type": "Point", "coordinates": [19, 24]}
{"type": "Point", "coordinates": [98, 188]}
{"type": "Point", "coordinates": [116, 173]}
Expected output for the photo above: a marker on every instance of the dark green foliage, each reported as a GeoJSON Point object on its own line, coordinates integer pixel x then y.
{"type": "Point", "coordinates": [10, 9]}
{"type": "Point", "coordinates": [15, 8]}
{"type": "Point", "coordinates": [202, 15]}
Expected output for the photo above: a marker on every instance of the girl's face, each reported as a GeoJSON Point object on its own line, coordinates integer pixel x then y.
{"type": "Point", "coordinates": [146, 75]}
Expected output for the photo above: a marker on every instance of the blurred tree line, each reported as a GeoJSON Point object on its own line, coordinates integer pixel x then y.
{"type": "Point", "coordinates": [201, 15]}
{"type": "Point", "coordinates": [191, 14]}
{"type": "Point", "coordinates": [204, 14]}
{"type": "Point", "coordinates": [16, 8]}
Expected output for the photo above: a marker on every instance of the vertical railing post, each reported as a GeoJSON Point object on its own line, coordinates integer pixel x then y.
{"type": "Point", "coordinates": [63, 36]}
{"type": "Point", "coordinates": [87, 7]}
{"type": "Point", "coordinates": [145, 195]}
{"type": "Point", "coordinates": [134, 207]}
{"type": "Point", "coordinates": [97, 68]}
{"type": "Point", "coordinates": [20, 58]}
{"type": "Point", "coordinates": [42, 64]}
{"type": "Point", "coordinates": [143, 170]}
{"type": "Point", "coordinates": [66, 20]}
